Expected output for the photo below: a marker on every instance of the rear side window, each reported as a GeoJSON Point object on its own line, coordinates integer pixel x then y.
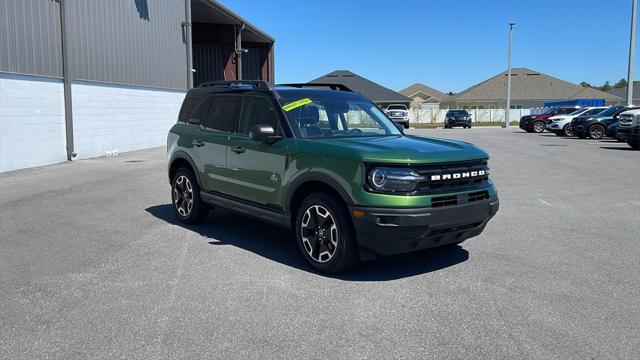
{"type": "Point", "coordinates": [257, 110]}
{"type": "Point", "coordinates": [223, 113]}
{"type": "Point", "coordinates": [188, 107]}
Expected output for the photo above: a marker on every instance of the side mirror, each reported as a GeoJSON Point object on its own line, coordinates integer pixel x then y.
{"type": "Point", "coordinates": [193, 121]}
{"type": "Point", "coordinates": [263, 132]}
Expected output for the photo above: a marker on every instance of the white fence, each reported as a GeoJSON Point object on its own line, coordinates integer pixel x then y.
{"type": "Point", "coordinates": [435, 116]}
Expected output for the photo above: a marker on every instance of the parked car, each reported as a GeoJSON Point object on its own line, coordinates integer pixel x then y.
{"type": "Point", "coordinates": [561, 124]}
{"type": "Point", "coordinates": [457, 118]}
{"type": "Point", "coordinates": [537, 123]}
{"type": "Point", "coordinates": [595, 126]}
{"type": "Point", "coordinates": [629, 127]}
{"type": "Point", "coordinates": [616, 116]}
{"type": "Point", "coordinates": [612, 131]}
{"type": "Point", "coordinates": [399, 114]}
{"type": "Point", "coordinates": [303, 158]}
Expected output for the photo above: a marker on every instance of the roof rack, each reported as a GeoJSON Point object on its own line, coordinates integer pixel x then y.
{"type": "Point", "coordinates": [258, 84]}
{"type": "Point", "coordinates": [339, 87]}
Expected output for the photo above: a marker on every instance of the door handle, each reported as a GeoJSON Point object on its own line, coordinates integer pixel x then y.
{"type": "Point", "coordinates": [197, 143]}
{"type": "Point", "coordinates": [238, 149]}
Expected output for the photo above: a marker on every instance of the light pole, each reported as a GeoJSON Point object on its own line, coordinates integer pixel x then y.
{"type": "Point", "coordinates": [506, 111]}
{"type": "Point", "coordinates": [632, 50]}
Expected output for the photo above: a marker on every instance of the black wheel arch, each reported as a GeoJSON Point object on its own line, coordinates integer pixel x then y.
{"type": "Point", "coordinates": [311, 182]}
{"type": "Point", "coordinates": [181, 159]}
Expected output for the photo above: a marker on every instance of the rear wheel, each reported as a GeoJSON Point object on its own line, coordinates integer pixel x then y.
{"type": "Point", "coordinates": [185, 195]}
{"type": "Point", "coordinates": [596, 131]}
{"type": "Point", "coordinates": [538, 127]}
{"type": "Point", "coordinates": [567, 130]}
{"type": "Point", "coordinates": [325, 233]}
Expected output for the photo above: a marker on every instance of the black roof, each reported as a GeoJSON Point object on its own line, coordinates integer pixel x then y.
{"type": "Point", "coordinates": [369, 89]}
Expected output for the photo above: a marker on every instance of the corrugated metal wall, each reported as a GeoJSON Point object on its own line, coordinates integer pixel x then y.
{"type": "Point", "coordinates": [207, 62]}
{"type": "Point", "coordinates": [30, 37]}
{"type": "Point", "coordinates": [137, 42]}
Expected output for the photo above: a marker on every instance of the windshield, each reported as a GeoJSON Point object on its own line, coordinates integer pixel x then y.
{"type": "Point", "coordinates": [549, 111]}
{"type": "Point", "coordinates": [610, 111]}
{"type": "Point", "coordinates": [397, 107]}
{"type": "Point", "coordinates": [459, 112]}
{"type": "Point", "coordinates": [594, 111]}
{"type": "Point", "coordinates": [317, 117]}
{"type": "Point", "coordinates": [578, 112]}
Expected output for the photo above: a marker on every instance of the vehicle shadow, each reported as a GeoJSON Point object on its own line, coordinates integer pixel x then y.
{"type": "Point", "coordinates": [224, 227]}
{"type": "Point", "coordinates": [623, 148]}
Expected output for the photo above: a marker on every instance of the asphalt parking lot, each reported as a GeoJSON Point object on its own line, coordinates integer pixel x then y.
{"type": "Point", "coordinates": [94, 265]}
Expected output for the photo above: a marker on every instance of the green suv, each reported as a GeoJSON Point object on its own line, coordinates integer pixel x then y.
{"type": "Point", "coordinates": [329, 164]}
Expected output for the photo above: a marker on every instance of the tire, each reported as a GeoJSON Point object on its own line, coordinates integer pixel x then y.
{"type": "Point", "coordinates": [567, 130]}
{"type": "Point", "coordinates": [469, 126]}
{"type": "Point", "coordinates": [325, 234]}
{"type": "Point", "coordinates": [596, 131]}
{"type": "Point", "coordinates": [538, 127]}
{"type": "Point", "coordinates": [406, 125]}
{"type": "Point", "coordinates": [635, 144]}
{"type": "Point", "coordinates": [185, 198]}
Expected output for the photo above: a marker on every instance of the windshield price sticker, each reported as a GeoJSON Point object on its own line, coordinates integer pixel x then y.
{"type": "Point", "coordinates": [296, 104]}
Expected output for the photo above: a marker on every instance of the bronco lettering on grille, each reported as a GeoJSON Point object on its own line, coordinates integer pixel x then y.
{"type": "Point", "coordinates": [467, 174]}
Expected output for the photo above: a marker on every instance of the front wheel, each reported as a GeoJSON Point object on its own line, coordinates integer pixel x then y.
{"type": "Point", "coordinates": [325, 233]}
{"type": "Point", "coordinates": [567, 130]}
{"type": "Point", "coordinates": [635, 144]}
{"type": "Point", "coordinates": [538, 127]}
{"type": "Point", "coordinates": [406, 125]}
{"type": "Point", "coordinates": [185, 195]}
{"type": "Point", "coordinates": [596, 132]}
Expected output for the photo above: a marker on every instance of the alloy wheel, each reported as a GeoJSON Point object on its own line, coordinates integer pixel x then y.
{"type": "Point", "coordinates": [538, 126]}
{"type": "Point", "coordinates": [183, 196]}
{"type": "Point", "coordinates": [596, 132]}
{"type": "Point", "coordinates": [319, 233]}
{"type": "Point", "coordinates": [568, 130]}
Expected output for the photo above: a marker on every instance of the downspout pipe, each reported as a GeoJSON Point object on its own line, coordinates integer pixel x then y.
{"type": "Point", "coordinates": [66, 78]}
{"type": "Point", "coordinates": [187, 26]}
{"type": "Point", "coordinates": [239, 50]}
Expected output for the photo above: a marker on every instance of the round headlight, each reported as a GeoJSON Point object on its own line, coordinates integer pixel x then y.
{"type": "Point", "coordinates": [378, 178]}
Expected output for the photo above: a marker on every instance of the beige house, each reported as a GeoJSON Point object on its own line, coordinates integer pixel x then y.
{"type": "Point", "coordinates": [424, 96]}
{"type": "Point", "coordinates": [529, 89]}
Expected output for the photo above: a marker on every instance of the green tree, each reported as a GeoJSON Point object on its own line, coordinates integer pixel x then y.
{"type": "Point", "coordinates": [585, 84]}
{"type": "Point", "coordinates": [606, 86]}
{"type": "Point", "coordinates": [622, 83]}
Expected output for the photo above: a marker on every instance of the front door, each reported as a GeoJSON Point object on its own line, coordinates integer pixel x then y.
{"type": "Point", "coordinates": [255, 168]}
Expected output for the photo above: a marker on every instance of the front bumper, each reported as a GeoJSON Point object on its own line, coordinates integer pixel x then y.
{"type": "Point", "coordinates": [400, 119]}
{"type": "Point", "coordinates": [629, 133]}
{"type": "Point", "coordinates": [388, 231]}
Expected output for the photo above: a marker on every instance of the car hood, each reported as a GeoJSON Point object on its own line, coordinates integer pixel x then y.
{"type": "Point", "coordinates": [539, 116]}
{"type": "Point", "coordinates": [397, 149]}
{"type": "Point", "coordinates": [592, 118]}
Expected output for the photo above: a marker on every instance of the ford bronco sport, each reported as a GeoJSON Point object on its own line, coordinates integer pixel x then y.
{"type": "Point", "coordinates": [327, 163]}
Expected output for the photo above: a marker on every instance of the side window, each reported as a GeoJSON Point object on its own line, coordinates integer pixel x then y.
{"type": "Point", "coordinates": [188, 107]}
{"type": "Point", "coordinates": [257, 110]}
{"type": "Point", "coordinates": [222, 116]}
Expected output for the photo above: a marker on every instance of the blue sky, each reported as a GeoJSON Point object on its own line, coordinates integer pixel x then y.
{"type": "Point", "coordinates": [449, 45]}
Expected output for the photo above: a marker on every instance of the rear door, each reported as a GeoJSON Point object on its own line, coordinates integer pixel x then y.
{"type": "Point", "coordinates": [255, 169]}
{"type": "Point", "coordinates": [216, 128]}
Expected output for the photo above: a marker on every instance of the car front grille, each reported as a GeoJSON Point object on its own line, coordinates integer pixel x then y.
{"type": "Point", "coordinates": [626, 120]}
{"type": "Point", "coordinates": [453, 184]}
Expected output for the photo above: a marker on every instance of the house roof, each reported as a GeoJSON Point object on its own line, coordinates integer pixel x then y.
{"type": "Point", "coordinates": [527, 84]}
{"type": "Point", "coordinates": [369, 89]}
{"type": "Point", "coordinates": [622, 92]}
{"type": "Point", "coordinates": [424, 92]}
